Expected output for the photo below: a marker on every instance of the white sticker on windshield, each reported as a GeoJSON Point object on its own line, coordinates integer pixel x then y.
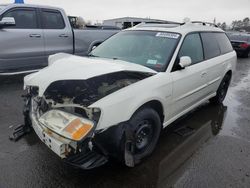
{"type": "Point", "coordinates": [152, 62]}
{"type": "Point", "coordinates": [168, 35]}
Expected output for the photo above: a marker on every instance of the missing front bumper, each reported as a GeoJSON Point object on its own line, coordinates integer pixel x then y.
{"type": "Point", "coordinates": [82, 156]}
{"type": "Point", "coordinates": [87, 161]}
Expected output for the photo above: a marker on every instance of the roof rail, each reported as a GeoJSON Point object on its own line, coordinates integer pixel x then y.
{"type": "Point", "coordinates": [163, 23]}
{"type": "Point", "coordinates": [176, 23]}
{"type": "Point", "coordinates": [205, 23]}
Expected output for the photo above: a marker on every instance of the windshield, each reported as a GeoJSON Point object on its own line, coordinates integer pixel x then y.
{"type": "Point", "coordinates": [147, 48]}
{"type": "Point", "coordinates": [240, 37]}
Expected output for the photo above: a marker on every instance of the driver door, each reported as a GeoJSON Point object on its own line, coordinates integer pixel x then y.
{"type": "Point", "coordinates": [22, 45]}
{"type": "Point", "coordinates": [189, 83]}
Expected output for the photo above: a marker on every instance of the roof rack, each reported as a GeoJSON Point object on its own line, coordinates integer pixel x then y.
{"type": "Point", "coordinates": [156, 23]}
{"type": "Point", "coordinates": [171, 24]}
{"type": "Point", "coordinates": [205, 23]}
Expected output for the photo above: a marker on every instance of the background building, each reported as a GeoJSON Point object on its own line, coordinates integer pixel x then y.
{"type": "Point", "coordinates": [127, 22]}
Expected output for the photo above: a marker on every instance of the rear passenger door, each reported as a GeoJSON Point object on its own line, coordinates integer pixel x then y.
{"type": "Point", "coordinates": [57, 33]}
{"type": "Point", "coordinates": [216, 48]}
{"type": "Point", "coordinates": [189, 84]}
{"type": "Point", "coordinates": [22, 45]}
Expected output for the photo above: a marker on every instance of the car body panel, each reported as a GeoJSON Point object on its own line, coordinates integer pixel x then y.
{"type": "Point", "coordinates": [79, 68]}
{"type": "Point", "coordinates": [13, 54]}
{"type": "Point", "coordinates": [189, 86]}
{"type": "Point", "coordinates": [58, 40]}
{"type": "Point", "coordinates": [129, 99]}
{"type": "Point", "coordinates": [176, 90]}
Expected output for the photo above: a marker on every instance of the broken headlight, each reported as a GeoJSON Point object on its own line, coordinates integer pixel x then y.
{"type": "Point", "coordinates": [66, 124]}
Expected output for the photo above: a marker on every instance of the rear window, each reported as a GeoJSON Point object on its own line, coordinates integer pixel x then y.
{"type": "Point", "coordinates": [224, 43]}
{"type": "Point", "coordinates": [240, 37]}
{"type": "Point", "coordinates": [211, 47]}
{"type": "Point", "coordinates": [52, 20]}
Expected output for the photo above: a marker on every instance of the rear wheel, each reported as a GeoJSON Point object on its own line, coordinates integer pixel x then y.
{"type": "Point", "coordinates": [222, 90]}
{"type": "Point", "coordinates": [247, 53]}
{"type": "Point", "coordinates": [142, 132]}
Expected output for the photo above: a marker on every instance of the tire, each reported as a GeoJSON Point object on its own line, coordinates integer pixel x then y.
{"type": "Point", "coordinates": [144, 130]}
{"type": "Point", "coordinates": [222, 90]}
{"type": "Point", "coordinates": [246, 54]}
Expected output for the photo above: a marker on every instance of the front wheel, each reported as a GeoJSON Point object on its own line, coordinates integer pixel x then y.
{"type": "Point", "coordinates": [142, 133]}
{"type": "Point", "coordinates": [222, 90]}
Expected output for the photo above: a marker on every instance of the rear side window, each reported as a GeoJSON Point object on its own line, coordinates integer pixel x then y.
{"type": "Point", "coordinates": [24, 18]}
{"type": "Point", "coordinates": [224, 43]}
{"type": "Point", "coordinates": [192, 47]}
{"type": "Point", "coordinates": [211, 47]}
{"type": "Point", "coordinates": [52, 20]}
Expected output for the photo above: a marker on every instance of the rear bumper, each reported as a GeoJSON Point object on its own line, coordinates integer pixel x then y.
{"type": "Point", "coordinates": [240, 50]}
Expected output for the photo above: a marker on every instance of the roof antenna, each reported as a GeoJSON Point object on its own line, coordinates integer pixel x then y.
{"type": "Point", "coordinates": [186, 20]}
{"type": "Point", "coordinates": [19, 1]}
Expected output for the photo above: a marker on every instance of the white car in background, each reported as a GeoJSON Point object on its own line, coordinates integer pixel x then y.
{"type": "Point", "coordinates": [114, 103]}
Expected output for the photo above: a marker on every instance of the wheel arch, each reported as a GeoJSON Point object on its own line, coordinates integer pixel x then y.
{"type": "Point", "coordinates": [229, 72]}
{"type": "Point", "coordinates": [154, 104]}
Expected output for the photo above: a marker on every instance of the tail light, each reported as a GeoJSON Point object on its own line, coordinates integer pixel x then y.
{"type": "Point", "coordinates": [244, 45]}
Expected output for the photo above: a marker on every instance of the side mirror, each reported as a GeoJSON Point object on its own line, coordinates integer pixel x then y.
{"type": "Point", "coordinates": [93, 47]}
{"type": "Point", "coordinates": [7, 21]}
{"type": "Point", "coordinates": [185, 61]}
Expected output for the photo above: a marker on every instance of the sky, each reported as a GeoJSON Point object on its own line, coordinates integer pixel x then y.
{"type": "Point", "coordinates": [171, 10]}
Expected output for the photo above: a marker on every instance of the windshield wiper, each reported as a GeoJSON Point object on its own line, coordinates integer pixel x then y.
{"type": "Point", "coordinates": [115, 58]}
{"type": "Point", "coordinates": [91, 55]}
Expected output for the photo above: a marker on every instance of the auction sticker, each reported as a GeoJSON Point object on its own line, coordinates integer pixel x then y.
{"type": "Point", "coordinates": [168, 35]}
{"type": "Point", "coordinates": [151, 61]}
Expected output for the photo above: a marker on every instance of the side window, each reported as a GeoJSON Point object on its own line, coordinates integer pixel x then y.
{"type": "Point", "coordinates": [224, 43]}
{"type": "Point", "coordinates": [52, 20]}
{"type": "Point", "coordinates": [192, 47]}
{"type": "Point", "coordinates": [25, 18]}
{"type": "Point", "coordinates": [210, 44]}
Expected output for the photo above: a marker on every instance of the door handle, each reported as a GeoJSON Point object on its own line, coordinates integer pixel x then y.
{"type": "Point", "coordinates": [35, 35]}
{"type": "Point", "coordinates": [63, 36]}
{"type": "Point", "coordinates": [203, 74]}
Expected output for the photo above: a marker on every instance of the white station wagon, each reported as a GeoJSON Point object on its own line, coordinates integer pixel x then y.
{"type": "Point", "coordinates": [114, 103]}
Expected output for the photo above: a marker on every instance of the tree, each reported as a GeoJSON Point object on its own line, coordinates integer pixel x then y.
{"type": "Point", "coordinates": [246, 22]}
{"type": "Point", "coordinates": [237, 24]}
{"type": "Point", "coordinates": [223, 26]}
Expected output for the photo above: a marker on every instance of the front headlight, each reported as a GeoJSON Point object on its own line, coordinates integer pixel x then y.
{"type": "Point", "coordinates": [66, 124]}
{"type": "Point", "coordinates": [77, 129]}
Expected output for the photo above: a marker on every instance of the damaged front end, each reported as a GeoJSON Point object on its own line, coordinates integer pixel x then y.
{"type": "Point", "coordinates": [63, 120]}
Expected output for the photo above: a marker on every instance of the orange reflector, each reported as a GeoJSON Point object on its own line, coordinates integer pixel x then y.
{"type": "Point", "coordinates": [77, 129]}
{"type": "Point", "coordinates": [83, 131]}
{"type": "Point", "coordinates": [72, 127]}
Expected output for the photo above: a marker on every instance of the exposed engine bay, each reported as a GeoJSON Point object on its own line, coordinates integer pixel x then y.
{"type": "Point", "coordinates": [75, 96]}
{"type": "Point", "coordinates": [65, 122]}
{"type": "Point", "coordinates": [86, 92]}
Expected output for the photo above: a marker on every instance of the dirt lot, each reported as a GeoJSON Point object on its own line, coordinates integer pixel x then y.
{"type": "Point", "coordinates": [215, 154]}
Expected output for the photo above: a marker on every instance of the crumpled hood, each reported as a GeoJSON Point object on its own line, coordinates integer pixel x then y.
{"type": "Point", "coordinates": [71, 67]}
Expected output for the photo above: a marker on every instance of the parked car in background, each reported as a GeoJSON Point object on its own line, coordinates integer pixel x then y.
{"type": "Point", "coordinates": [114, 103]}
{"type": "Point", "coordinates": [241, 43]}
{"type": "Point", "coordinates": [30, 33]}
